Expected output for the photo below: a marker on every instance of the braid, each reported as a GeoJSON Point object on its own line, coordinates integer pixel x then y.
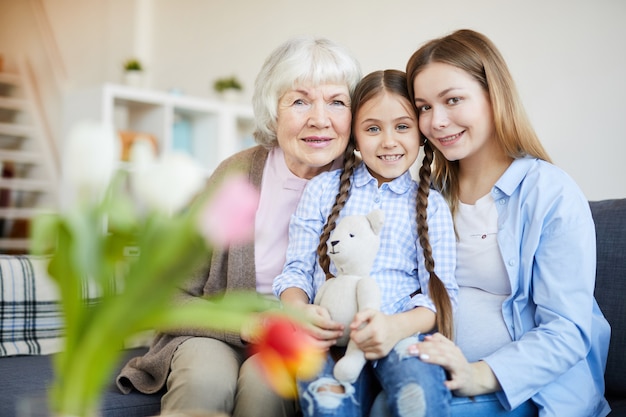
{"type": "Point", "coordinates": [349, 164]}
{"type": "Point", "coordinates": [436, 289]}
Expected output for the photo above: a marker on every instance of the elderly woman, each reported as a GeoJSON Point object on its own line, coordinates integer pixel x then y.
{"type": "Point", "coordinates": [302, 107]}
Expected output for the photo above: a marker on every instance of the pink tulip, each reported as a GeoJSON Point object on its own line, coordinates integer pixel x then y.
{"type": "Point", "coordinates": [228, 218]}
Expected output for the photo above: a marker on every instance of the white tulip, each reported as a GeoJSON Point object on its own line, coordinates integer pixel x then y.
{"type": "Point", "coordinates": [166, 184]}
{"type": "Point", "coordinates": [90, 157]}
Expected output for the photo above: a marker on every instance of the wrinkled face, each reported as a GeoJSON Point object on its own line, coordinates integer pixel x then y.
{"type": "Point", "coordinates": [387, 135]}
{"type": "Point", "coordinates": [313, 126]}
{"type": "Point", "coordinates": [454, 112]}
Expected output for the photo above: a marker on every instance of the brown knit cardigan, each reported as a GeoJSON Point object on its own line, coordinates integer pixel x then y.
{"type": "Point", "coordinates": [227, 270]}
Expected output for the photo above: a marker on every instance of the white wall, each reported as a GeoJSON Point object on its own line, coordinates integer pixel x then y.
{"type": "Point", "coordinates": [567, 56]}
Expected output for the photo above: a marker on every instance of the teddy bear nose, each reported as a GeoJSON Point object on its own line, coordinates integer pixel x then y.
{"type": "Point", "coordinates": [333, 243]}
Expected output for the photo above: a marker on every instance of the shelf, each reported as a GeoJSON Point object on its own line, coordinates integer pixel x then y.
{"type": "Point", "coordinates": [9, 103]}
{"type": "Point", "coordinates": [8, 78]}
{"type": "Point", "coordinates": [25, 184]}
{"type": "Point", "coordinates": [16, 130]}
{"type": "Point", "coordinates": [20, 212]}
{"type": "Point", "coordinates": [19, 156]}
{"type": "Point", "coordinates": [21, 245]}
{"type": "Point", "coordinates": [209, 130]}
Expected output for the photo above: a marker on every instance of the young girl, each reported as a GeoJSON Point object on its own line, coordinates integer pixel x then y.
{"type": "Point", "coordinates": [417, 294]}
{"type": "Point", "coordinates": [531, 338]}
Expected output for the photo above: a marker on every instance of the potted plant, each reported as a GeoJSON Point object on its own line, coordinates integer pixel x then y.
{"type": "Point", "coordinates": [133, 65]}
{"type": "Point", "coordinates": [229, 88]}
{"type": "Point", "coordinates": [133, 72]}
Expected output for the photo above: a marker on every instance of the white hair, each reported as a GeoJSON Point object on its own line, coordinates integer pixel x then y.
{"type": "Point", "coordinates": [303, 59]}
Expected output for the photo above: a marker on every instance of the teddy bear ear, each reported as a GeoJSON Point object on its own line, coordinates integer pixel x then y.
{"type": "Point", "coordinates": [376, 219]}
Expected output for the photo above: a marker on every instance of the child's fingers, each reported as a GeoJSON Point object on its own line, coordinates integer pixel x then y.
{"type": "Point", "coordinates": [362, 318]}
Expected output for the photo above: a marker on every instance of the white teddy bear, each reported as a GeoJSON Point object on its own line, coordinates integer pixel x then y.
{"type": "Point", "coordinates": [352, 247]}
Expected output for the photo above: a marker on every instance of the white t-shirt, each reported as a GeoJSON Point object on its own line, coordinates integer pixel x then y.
{"type": "Point", "coordinates": [483, 281]}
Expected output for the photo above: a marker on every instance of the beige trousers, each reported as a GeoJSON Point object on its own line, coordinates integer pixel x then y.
{"type": "Point", "coordinates": [210, 375]}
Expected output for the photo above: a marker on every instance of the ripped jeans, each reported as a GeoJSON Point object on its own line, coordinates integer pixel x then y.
{"type": "Point", "coordinates": [413, 388]}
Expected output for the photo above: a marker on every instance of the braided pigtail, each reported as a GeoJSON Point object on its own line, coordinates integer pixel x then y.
{"type": "Point", "coordinates": [436, 289]}
{"type": "Point", "coordinates": [349, 164]}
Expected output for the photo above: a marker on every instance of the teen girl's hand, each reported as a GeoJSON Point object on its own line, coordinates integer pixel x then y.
{"type": "Point", "coordinates": [376, 333]}
{"type": "Point", "coordinates": [466, 379]}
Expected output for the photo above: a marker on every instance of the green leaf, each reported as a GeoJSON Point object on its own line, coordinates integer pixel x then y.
{"type": "Point", "coordinates": [44, 233]}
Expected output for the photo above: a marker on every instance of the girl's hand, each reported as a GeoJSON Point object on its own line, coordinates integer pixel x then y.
{"type": "Point", "coordinates": [466, 379]}
{"type": "Point", "coordinates": [251, 329]}
{"type": "Point", "coordinates": [372, 331]}
{"type": "Point", "coordinates": [325, 330]}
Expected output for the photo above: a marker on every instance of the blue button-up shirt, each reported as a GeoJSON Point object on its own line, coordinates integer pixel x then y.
{"type": "Point", "coordinates": [560, 338]}
{"type": "Point", "coordinates": [399, 266]}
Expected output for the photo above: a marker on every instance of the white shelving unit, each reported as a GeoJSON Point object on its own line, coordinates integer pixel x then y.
{"type": "Point", "coordinates": [210, 130]}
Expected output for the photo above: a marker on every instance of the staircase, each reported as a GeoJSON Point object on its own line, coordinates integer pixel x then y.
{"type": "Point", "coordinates": [29, 177]}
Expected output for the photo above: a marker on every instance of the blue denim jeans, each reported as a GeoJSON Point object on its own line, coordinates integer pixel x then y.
{"type": "Point", "coordinates": [486, 405]}
{"type": "Point", "coordinates": [415, 388]}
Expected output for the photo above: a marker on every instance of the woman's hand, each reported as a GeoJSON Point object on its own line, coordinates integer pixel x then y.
{"type": "Point", "coordinates": [466, 379]}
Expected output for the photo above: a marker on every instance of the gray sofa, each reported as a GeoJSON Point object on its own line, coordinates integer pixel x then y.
{"type": "Point", "coordinates": [28, 373]}
{"type": "Point", "coordinates": [31, 332]}
{"type": "Point", "coordinates": [610, 219]}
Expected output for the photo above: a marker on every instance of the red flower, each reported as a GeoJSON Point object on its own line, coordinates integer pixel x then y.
{"type": "Point", "coordinates": [285, 351]}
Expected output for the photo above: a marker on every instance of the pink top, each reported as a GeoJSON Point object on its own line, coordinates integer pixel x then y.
{"type": "Point", "coordinates": [280, 193]}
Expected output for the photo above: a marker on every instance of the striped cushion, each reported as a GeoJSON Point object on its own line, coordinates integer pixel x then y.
{"type": "Point", "coordinates": [31, 322]}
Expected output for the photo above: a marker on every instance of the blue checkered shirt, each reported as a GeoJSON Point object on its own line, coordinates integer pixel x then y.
{"type": "Point", "coordinates": [399, 266]}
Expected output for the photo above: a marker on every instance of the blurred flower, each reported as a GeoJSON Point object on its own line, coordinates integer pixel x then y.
{"type": "Point", "coordinates": [142, 153]}
{"type": "Point", "coordinates": [88, 243]}
{"type": "Point", "coordinates": [229, 219]}
{"type": "Point", "coordinates": [167, 183]}
{"type": "Point", "coordinates": [285, 351]}
{"type": "Point", "coordinates": [89, 160]}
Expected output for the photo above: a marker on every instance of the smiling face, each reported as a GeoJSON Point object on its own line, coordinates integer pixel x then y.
{"type": "Point", "coordinates": [455, 113]}
{"type": "Point", "coordinates": [386, 133]}
{"type": "Point", "coordinates": [313, 126]}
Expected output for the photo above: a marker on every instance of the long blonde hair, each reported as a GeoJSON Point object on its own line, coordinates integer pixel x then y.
{"type": "Point", "coordinates": [477, 55]}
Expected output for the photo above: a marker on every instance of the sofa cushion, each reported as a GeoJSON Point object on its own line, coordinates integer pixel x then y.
{"type": "Point", "coordinates": [29, 376]}
{"type": "Point", "coordinates": [31, 320]}
{"type": "Point", "coordinates": [30, 317]}
{"type": "Point", "coordinates": [610, 220]}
